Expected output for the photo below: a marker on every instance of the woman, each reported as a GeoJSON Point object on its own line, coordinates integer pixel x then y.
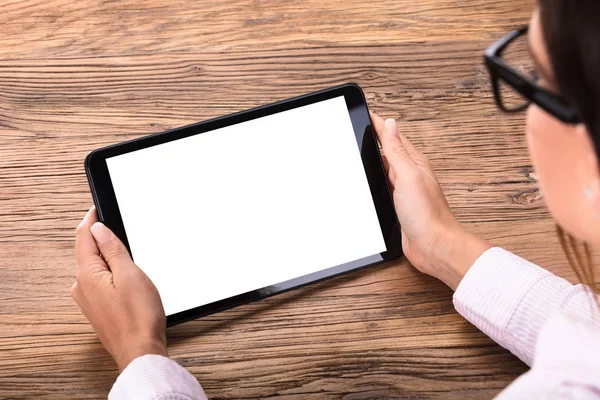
{"type": "Point", "coordinates": [541, 318]}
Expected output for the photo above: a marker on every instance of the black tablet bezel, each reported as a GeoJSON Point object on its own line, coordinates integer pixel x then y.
{"type": "Point", "coordinates": [108, 209]}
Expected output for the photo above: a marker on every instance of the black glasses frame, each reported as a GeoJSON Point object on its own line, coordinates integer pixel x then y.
{"type": "Point", "coordinates": [528, 88]}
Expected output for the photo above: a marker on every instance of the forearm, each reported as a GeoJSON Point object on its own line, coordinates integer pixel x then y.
{"type": "Point", "coordinates": [510, 299]}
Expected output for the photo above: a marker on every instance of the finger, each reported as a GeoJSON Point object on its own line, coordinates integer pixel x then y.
{"type": "Point", "coordinates": [380, 128]}
{"type": "Point", "coordinates": [378, 124]}
{"type": "Point", "coordinates": [112, 249]}
{"type": "Point", "coordinates": [386, 164]}
{"type": "Point", "coordinates": [394, 150]}
{"type": "Point", "coordinates": [415, 154]}
{"type": "Point", "coordinates": [75, 292]}
{"type": "Point", "coordinates": [421, 129]}
{"type": "Point", "coordinates": [412, 150]}
{"type": "Point", "coordinates": [85, 246]}
{"type": "Point", "coordinates": [389, 171]}
{"type": "Point", "coordinates": [419, 159]}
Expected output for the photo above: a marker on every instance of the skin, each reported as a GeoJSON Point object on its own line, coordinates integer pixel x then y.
{"type": "Point", "coordinates": [116, 296]}
{"type": "Point", "coordinates": [563, 175]}
{"type": "Point", "coordinates": [125, 309]}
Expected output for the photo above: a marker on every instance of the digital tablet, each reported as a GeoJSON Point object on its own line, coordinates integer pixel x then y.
{"type": "Point", "coordinates": [252, 204]}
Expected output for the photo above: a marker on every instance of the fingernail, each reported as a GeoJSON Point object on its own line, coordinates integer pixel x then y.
{"type": "Point", "coordinates": [390, 124]}
{"type": "Point", "coordinates": [100, 232]}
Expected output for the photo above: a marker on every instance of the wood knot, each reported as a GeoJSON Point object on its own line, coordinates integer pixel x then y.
{"type": "Point", "coordinates": [527, 198]}
{"type": "Point", "coordinates": [158, 127]}
{"type": "Point", "coordinates": [468, 83]}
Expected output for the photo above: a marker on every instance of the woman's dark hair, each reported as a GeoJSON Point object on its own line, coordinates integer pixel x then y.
{"type": "Point", "coordinates": [571, 31]}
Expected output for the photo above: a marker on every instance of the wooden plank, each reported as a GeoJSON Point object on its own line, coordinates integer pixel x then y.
{"type": "Point", "coordinates": [60, 28]}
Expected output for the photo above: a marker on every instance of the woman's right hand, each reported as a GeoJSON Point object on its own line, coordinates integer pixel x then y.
{"type": "Point", "coordinates": [432, 239]}
{"type": "Point", "coordinates": [117, 297]}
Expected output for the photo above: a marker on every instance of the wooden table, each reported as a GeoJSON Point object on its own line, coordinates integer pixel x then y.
{"type": "Point", "coordinates": [77, 75]}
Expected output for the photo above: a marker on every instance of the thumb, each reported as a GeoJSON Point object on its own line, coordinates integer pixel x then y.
{"type": "Point", "coordinates": [394, 150]}
{"type": "Point", "coordinates": [112, 249]}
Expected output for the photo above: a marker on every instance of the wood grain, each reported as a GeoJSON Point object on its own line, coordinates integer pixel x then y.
{"type": "Point", "coordinates": [78, 75]}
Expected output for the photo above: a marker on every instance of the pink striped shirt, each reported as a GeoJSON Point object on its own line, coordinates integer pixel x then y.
{"type": "Point", "coordinates": [551, 325]}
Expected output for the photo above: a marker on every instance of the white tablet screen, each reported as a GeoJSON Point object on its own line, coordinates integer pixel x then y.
{"type": "Point", "coordinates": [250, 205]}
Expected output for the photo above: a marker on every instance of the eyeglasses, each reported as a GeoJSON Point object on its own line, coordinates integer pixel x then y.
{"type": "Point", "coordinates": [514, 81]}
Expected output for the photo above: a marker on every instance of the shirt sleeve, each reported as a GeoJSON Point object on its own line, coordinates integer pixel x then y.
{"type": "Point", "coordinates": [156, 377]}
{"type": "Point", "coordinates": [510, 299]}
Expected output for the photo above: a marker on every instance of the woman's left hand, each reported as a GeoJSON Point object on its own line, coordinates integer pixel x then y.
{"type": "Point", "coordinates": [117, 297]}
{"type": "Point", "coordinates": [432, 239]}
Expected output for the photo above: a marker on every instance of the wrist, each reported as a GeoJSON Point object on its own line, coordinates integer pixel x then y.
{"type": "Point", "coordinates": [140, 349]}
{"type": "Point", "coordinates": [460, 250]}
